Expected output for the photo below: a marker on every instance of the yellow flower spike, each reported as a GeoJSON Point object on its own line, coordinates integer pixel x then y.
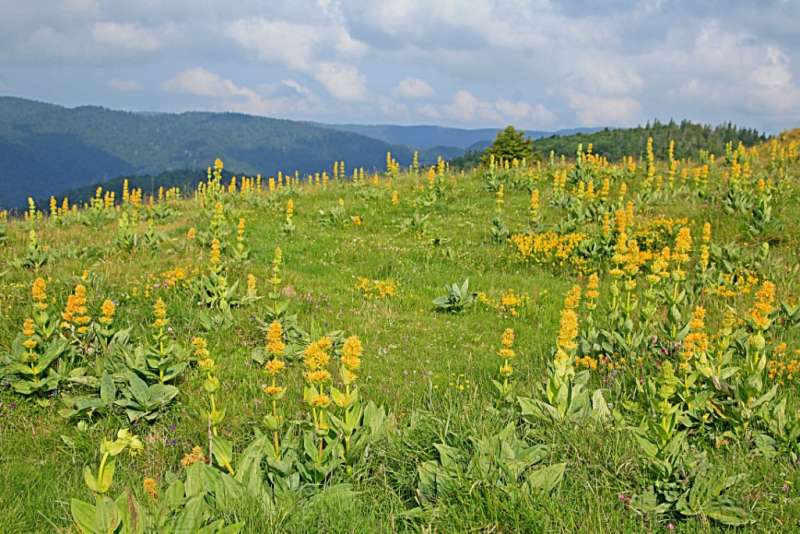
{"type": "Point", "coordinates": [274, 366]}
{"type": "Point", "coordinates": [275, 344]}
{"type": "Point", "coordinates": [351, 353]}
{"type": "Point", "coordinates": [160, 313]}
{"type": "Point", "coordinates": [39, 294]}
{"type": "Point", "coordinates": [150, 487]}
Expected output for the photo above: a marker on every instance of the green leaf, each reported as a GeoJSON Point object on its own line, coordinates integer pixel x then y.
{"type": "Point", "coordinates": [83, 514]}
{"type": "Point", "coordinates": [546, 478]}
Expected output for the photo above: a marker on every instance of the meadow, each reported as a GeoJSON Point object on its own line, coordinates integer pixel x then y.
{"type": "Point", "coordinates": [566, 345]}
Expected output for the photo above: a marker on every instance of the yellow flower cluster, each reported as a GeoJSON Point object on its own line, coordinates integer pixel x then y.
{"type": "Point", "coordinates": [215, 258]}
{"type": "Point", "coordinates": [76, 313]}
{"type": "Point", "coordinates": [379, 289]}
{"type": "Point", "coordinates": [506, 353]}
{"type": "Point", "coordinates": [549, 247]}
{"type": "Point", "coordinates": [196, 455]}
{"type": "Point", "coordinates": [173, 277]}
{"type": "Point", "coordinates": [316, 358]}
{"type": "Point", "coordinates": [107, 311]}
{"type": "Point", "coordinates": [29, 331]}
{"type": "Point", "coordinates": [695, 344]}
{"type": "Point", "coordinates": [592, 291]}
{"type": "Point", "coordinates": [150, 487]}
{"type": "Point", "coordinates": [160, 313]}
{"type": "Point", "coordinates": [780, 367]}
{"type": "Point", "coordinates": [39, 294]}
{"type": "Point", "coordinates": [763, 306]}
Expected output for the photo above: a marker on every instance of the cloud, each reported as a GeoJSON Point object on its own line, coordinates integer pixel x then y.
{"type": "Point", "coordinates": [412, 89]}
{"type": "Point", "coordinates": [229, 96]}
{"type": "Point", "coordinates": [299, 46]}
{"type": "Point", "coordinates": [604, 111]}
{"type": "Point", "coordinates": [467, 108]}
{"type": "Point", "coordinates": [531, 62]}
{"type": "Point", "coordinates": [127, 36]}
{"type": "Point", "coordinates": [125, 86]}
{"type": "Point", "coordinates": [343, 82]}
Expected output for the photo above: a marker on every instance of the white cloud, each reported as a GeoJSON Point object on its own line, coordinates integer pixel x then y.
{"type": "Point", "coordinates": [604, 111]}
{"type": "Point", "coordinates": [343, 82]}
{"type": "Point", "coordinates": [412, 89]}
{"type": "Point", "coordinates": [127, 36]}
{"type": "Point", "coordinates": [298, 88]}
{"type": "Point", "coordinates": [125, 86]}
{"type": "Point", "coordinates": [467, 108]}
{"type": "Point", "coordinates": [232, 97]}
{"type": "Point", "coordinates": [299, 47]}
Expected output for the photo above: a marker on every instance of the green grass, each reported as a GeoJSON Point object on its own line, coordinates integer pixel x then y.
{"type": "Point", "coordinates": [432, 370]}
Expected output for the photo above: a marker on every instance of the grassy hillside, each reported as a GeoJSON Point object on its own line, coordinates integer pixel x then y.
{"type": "Point", "coordinates": [52, 149]}
{"type": "Point", "coordinates": [586, 380]}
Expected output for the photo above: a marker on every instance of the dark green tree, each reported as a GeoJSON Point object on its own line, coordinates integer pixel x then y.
{"type": "Point", "coordinates": [509, 144]}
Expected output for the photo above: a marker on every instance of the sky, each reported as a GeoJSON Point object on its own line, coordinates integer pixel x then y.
{"type": "Point", "coordinates": [535, 64]}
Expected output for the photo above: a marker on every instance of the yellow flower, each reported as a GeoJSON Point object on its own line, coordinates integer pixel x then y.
{"type": "Point", "coordinates": [506, 370]}
{"type": "Point", "coordinates": [39, 294]}
{"type": "Point", "coordinates": [275, 344]}
{"type": "Point", "coordinates": [160, 313]}
{"type": "Point", "coordinates": [28, 327]}
{"type": "Point", "coordinates": [275, 366]}
{"type": "Point", "coordinates": [316, 355]}
{"type": "Point", "coordinates": [320, 400]}
{"type": "Point", "coordinates": [218, 165]}
{"type": "Point", "coordinates": [319, 376]}
{"type": "Point", "coordinates": [195, 456]}
{"type": "Point", "coordinates": [215, 257]}
{"type": "Point", "coordinates": [591, 289]}
{"type": "Point", "coordinates": [508, 338]}
{"type": "Point", "coordinates": [273, 391]}
{"type": "Point", "coordinates": [568, 330]}
{"type": "Point", "coordinates": [351, 353]}
{"type": "Point", "coordinates": [573, 298]}
{"type": "Point", "coordinates": [108, 310]}
{"type": "Point", "coordinates": [150, 487]}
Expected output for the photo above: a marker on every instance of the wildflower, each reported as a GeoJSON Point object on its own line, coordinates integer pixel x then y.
{"type": "Point", "coordinates": [319, 376]}
{"type": "Point", "coordinates": [196, 455]}
{"type": "Point", "coordinates": [568, 330]}
{"type": "Point", "coordinates": [534, 205]}
{"type": "Point", "coordinates": [160, 313]}
{"type": "Point", "coordinates": [39, 294]}
{"type": "Point", "coordinates": [275, 366]}
{"type": "Point", "coordinates": [275, 344]}
{"type": "Point", "coordinates": [214, 259]}
{"type": "Point", "coordinates": [763, 306]}
{"type": "Point", "coordinates": [108, 309]}
{"type": "Point", "coordinates": [273, 391]}
{"type": "Point", "coordinates": [351, 353]}
{"type": "Point", "coordinates": [316, 355]}
{"type": "Point", "coordinates": [320, 400]}
{"type": "Point", "coordinates": [29, 330]}
{"type": "Point", "coordinates": [591, 291]}
{"type": "Point", "coordinates": [395, 198]}
{"type": "Point", "coordinates": [150, 487]}
{"type": "Point", "coordinates": [573, 298]}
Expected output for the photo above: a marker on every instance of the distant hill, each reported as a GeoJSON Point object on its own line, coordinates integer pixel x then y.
{"type": "Point", "coordinates": [46, 149]}
{"type": "Point", "coordinates": [689, 139]}
{"type": "Point", "coordinates": [439, 140]}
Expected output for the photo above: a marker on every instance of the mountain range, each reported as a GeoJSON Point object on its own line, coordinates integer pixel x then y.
{"type": "Point", "coordinates": [46, 149]}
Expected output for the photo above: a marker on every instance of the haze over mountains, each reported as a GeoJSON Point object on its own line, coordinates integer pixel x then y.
{"type": "Point", "coordinates": [46, 149]}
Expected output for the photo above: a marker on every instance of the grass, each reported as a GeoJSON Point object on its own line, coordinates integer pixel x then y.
{"type": "Point", "coordinates": [432, 370]}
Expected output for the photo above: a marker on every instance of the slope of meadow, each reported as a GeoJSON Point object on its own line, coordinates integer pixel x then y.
{"type": "Point", "coordinates": [625, 357]}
